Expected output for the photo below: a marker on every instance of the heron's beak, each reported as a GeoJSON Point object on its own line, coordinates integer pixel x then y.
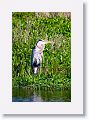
{"type": "Point", "coordinates": [51, 42]}
{"type": "Point", "coordinates": [46, 42]}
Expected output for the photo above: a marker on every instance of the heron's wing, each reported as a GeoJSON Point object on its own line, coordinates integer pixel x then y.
{"type": "Point", "coordinates": [32, 56]}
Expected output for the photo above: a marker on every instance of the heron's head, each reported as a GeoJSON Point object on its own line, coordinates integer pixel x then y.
{"type": "Point", "coordinates": [41, 44]}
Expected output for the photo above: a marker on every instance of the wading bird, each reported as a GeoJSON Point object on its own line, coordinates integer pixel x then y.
{"type": "Point", "coordinates": [37, 55]}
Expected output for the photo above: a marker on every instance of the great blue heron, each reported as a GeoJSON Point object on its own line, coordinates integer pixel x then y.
{"type": "Point", "coordinates": [37, 55]}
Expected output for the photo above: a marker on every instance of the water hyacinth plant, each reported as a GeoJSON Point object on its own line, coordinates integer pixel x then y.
{"type": "Point", "coordinates": [27, 29]}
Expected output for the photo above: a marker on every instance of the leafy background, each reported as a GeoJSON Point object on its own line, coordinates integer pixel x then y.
{"type": "Point", "coordinates": [27, 29]}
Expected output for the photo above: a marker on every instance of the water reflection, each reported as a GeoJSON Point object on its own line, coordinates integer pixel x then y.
{"type": "Point", "coordinates": [30, 94]}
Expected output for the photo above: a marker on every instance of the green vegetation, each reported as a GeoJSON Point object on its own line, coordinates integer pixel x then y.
{"type": "Point", "coordinates": [27, 28]}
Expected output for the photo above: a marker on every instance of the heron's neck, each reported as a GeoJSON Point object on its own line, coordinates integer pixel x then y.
{"type": "Point", "coordinates": [38, 49]}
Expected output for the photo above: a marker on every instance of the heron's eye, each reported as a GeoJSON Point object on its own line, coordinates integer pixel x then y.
{"type": "Point", "coordinates": [41, 45]}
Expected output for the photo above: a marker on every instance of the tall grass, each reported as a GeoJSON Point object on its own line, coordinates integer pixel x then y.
{"type": "Point", "coordinates": [27, 29]}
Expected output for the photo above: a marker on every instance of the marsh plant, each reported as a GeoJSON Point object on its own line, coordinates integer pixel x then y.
{"type": "Point", "coordinates": [27, 29]}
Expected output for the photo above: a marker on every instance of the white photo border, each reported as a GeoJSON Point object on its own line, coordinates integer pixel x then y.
{"type": "Point", "coordinates": [76, 104]}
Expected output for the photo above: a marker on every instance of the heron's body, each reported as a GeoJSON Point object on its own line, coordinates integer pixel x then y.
{"type": "Point", "coordinates": [35, 61]}
{"type": "Point", "coordinates": [37, 54]}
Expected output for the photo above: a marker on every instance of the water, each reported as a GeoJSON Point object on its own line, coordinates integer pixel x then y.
{"type": "Point", "coordinates": [30, 94]}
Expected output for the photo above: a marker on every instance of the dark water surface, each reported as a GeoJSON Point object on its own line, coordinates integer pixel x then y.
{"type": "Point", "coordinates": [30, 94]}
